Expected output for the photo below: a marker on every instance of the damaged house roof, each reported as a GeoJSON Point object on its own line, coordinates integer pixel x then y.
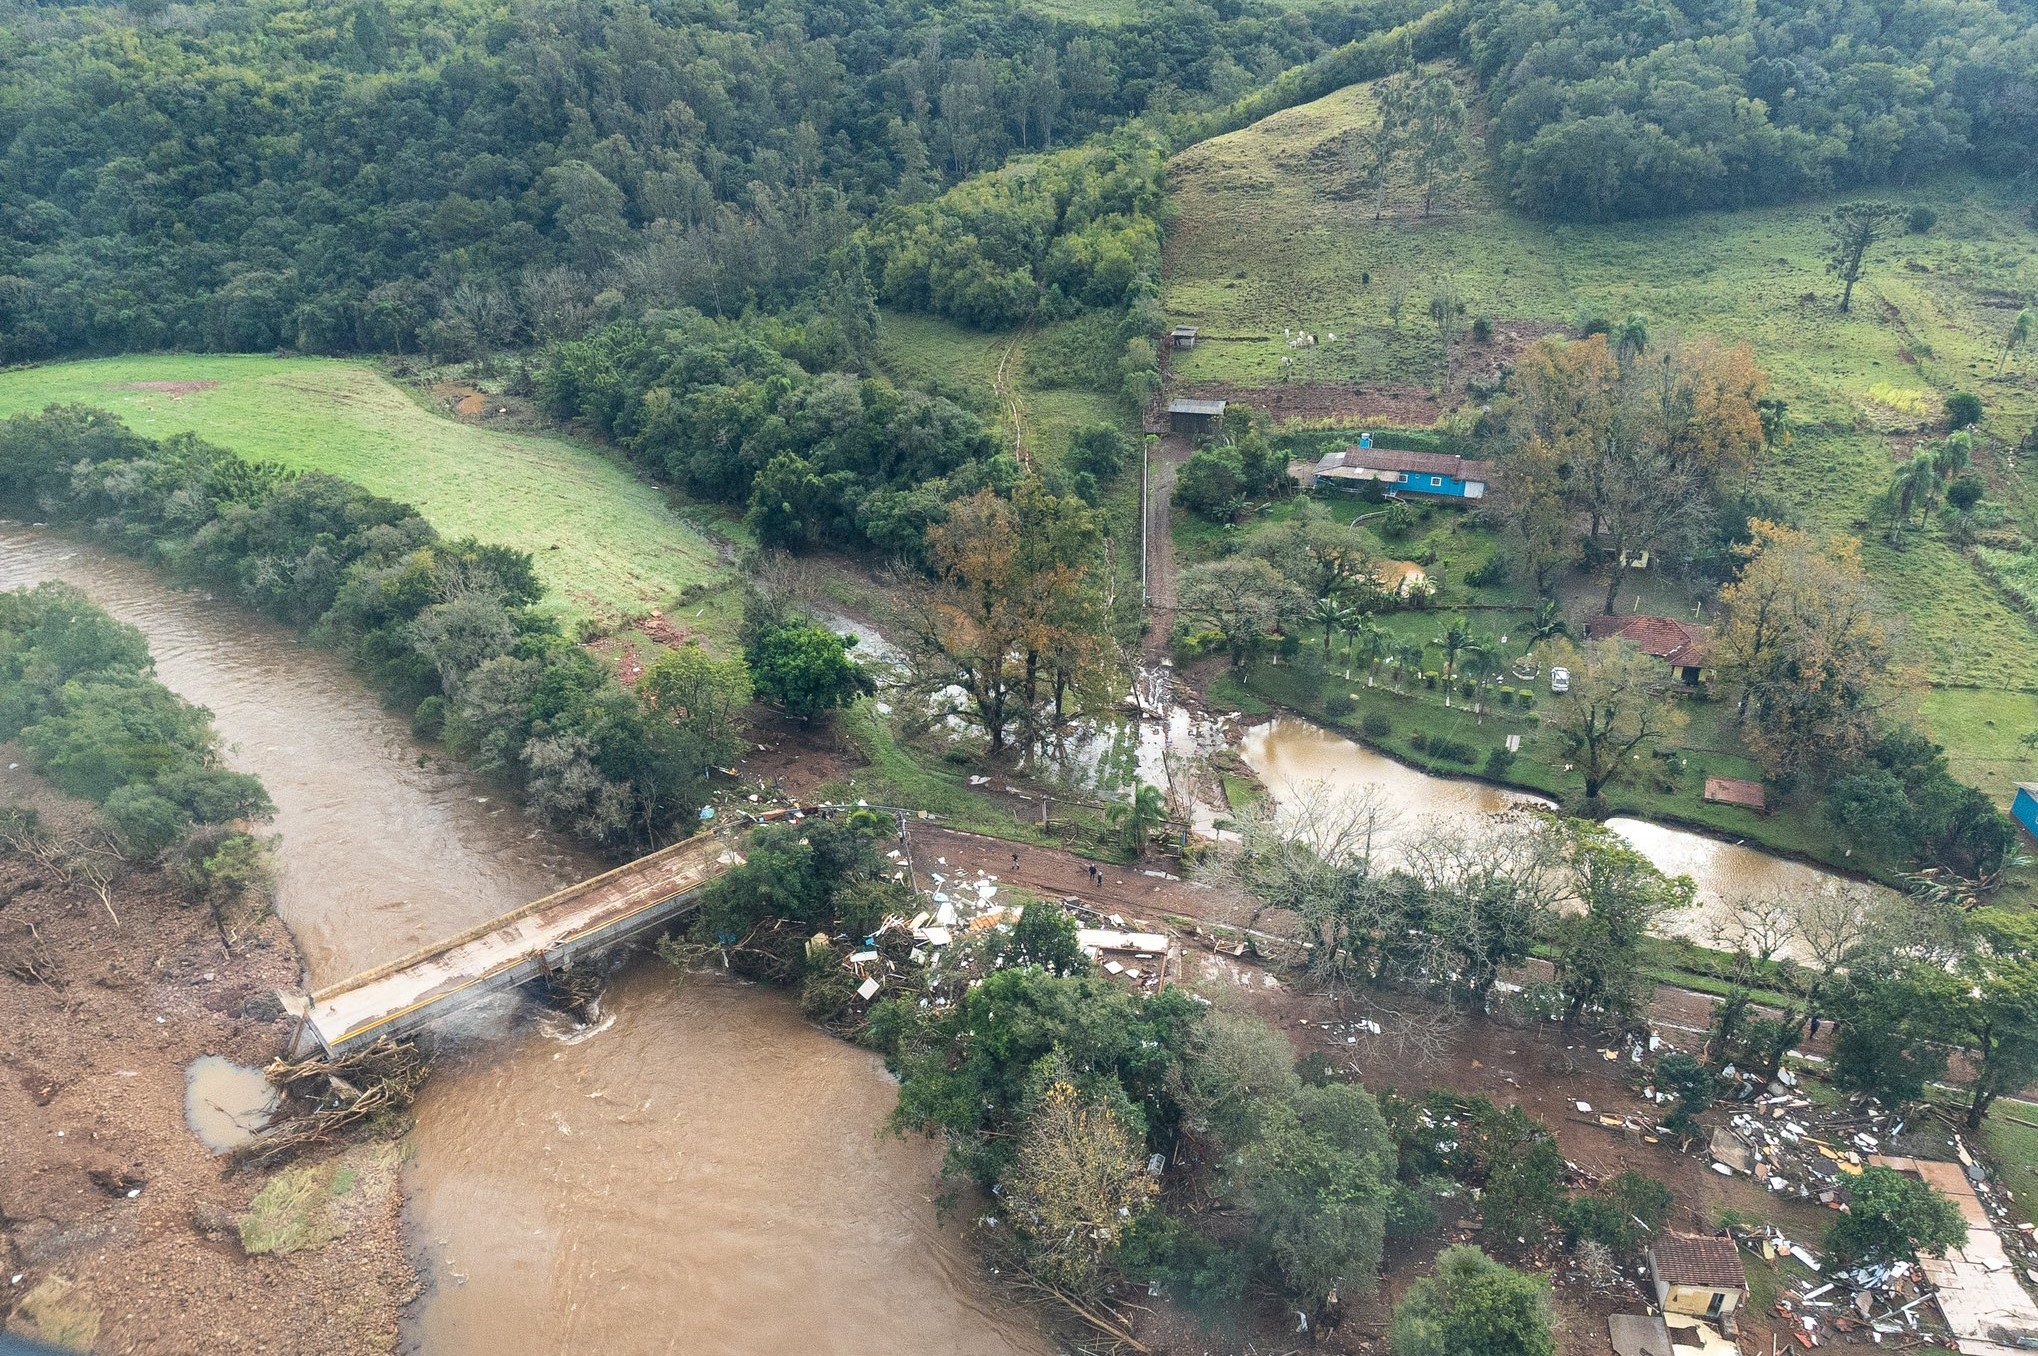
{"type": "Point", "coordinates": [1709, 1263]}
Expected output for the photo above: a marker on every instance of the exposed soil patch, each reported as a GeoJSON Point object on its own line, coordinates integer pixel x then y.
{"type": "Point", "coordinates": [621, 656]}
{"type": "Point", "coordinates": [1397, 404]}
{"type": "Point", "coordinates": [119, 1222]}
{"type": "Point", "coordinates": [173, 389]}
{"type": "Point", "coordinates": [797, 759]}
{"type": "Point", "coordinates": [472, 405]}
{"type": "Point", "coordinates": [1403, 406]}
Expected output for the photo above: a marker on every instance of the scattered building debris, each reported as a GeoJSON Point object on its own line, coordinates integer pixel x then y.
{"type": "Point", "coordinates": [1985, 1306]}
{"type": "Point", "coordinates": [1638, 1335]}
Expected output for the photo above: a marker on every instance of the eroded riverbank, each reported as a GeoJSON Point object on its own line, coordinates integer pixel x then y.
{"type": "Point", "coordinates": [726, 1191]}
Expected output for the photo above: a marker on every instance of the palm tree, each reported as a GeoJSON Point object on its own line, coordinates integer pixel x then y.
{"type": "Point", "coordinates": [1329, 613]}
{"type": "Point", "coordinates": [1915, 481]}
{"type": "Point", "coordinates": [1456, 639]}
{"type": "Point", "coordinates": [1136, 818]}
{"type": "Point", "coordinates": [1481, 664]}
{"type": "Point", "coordinates": [1952, 456]}
{"type": "Point", "coordinates": [1348, 626]}
{"type": "Point", "coordinates": [1374, 643]}
{"type": "Point", "coordinates": [1409, 655]}
{"type": "Point", "coordinates": [1548, 621]}
{"type": "Point", "coordinates": [1632, 337]}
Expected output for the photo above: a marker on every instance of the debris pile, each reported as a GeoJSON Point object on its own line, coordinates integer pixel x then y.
{"type": "Point", "coordinates": [947, 942]}
{"type": "Point", "coordinates": [331, 1096]}
{"type": "Point", "coordinates": [1792, 1146]}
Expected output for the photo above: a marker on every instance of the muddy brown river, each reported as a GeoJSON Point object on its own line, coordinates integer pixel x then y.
{"type": "Point", "coordinates": [702, 1175]}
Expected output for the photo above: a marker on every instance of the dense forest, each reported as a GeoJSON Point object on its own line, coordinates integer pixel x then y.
{"type": "Point", "coordinates": [378, 177]}
{"type": "Point", "coordinates": [452, 177]}
{"type": "Point", "coordinates": [1638, 108]}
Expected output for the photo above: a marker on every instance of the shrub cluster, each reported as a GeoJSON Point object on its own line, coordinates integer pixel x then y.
{"type": "Point", "coordinates": [78, 690]}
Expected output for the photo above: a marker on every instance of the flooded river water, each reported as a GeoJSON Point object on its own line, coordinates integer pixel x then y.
{"type": "Point", "coordinates": [702, 1176]}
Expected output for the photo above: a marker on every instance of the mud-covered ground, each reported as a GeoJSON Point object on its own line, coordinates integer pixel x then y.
{"type": "Point", "coordinates": [119, 1230]}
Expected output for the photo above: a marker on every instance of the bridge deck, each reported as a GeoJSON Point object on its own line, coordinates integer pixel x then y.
{"type": "Point", "coordinates": [403, 994]}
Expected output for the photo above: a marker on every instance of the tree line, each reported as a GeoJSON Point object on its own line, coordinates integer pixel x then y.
{"type": "Point", "coordinates": [78, 691]}
{"type": "Point", "coordinates": [395, 178]}
{"type": "Point", "coordinates": [445, 629]}
{"type": "Point", "coordinates": [1605, 111]}
{"type": "Point", "coordinates": [747, 414]}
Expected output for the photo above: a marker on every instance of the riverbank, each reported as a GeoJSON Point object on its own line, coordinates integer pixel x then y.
{"type": "Point", "coordinates": [599, 1191]}
{"type": "Point", "coordinates": [124, 1231]}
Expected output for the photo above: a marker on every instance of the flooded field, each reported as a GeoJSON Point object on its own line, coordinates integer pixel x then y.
{"type": "Point", "coordinates": [1294, 758]}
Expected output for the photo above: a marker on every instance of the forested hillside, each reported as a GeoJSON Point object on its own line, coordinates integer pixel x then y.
{"type": "Point", "coordinates": [446, 176]}
{"type": "Point", "coordinates": [457, 176]}
{"type": "Point", "coordinates": [1644, 109]}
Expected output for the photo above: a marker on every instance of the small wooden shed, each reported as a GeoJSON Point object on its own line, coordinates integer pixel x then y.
{"type": "Point", "coordinates": [1183, 336]}
{"type": "Point", "coordinates": [1700, 1276]}
{"type": "Point", "coordinates": [1195, 418]}
{"type": "Point", "coordinates": [1735, 791]}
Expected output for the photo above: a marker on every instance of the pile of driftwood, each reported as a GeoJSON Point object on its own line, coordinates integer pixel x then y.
{"type": "Point", "coordinates": [577, 990]}
{"type": "Point", "coordinates": [327, 1097]}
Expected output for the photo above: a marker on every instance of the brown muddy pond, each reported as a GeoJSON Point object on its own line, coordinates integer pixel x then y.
{"type": "Point", "coordinates": [1293, 757]}
{"type": "Point", "coordinates": [225, 1103]}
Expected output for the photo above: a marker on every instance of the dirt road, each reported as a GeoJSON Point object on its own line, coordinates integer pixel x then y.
{"type": "Point", "coordinates": [1166, 456]}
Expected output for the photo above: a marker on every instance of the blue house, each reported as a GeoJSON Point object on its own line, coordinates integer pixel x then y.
{"type": "Point", "coordinates": [2024, 809]}
{"type": "Point", "coordinates": [1440, 475]}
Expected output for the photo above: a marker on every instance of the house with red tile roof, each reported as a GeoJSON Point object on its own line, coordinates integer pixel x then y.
{"type": "Point", "coordinates": [1687, 649]}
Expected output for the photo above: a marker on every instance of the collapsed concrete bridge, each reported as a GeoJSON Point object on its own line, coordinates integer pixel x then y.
{"type": "Point", "coordinates": [536, 939]}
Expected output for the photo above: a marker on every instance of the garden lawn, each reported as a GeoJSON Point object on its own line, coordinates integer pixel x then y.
{"type": "Point", "coordinates": [1274, 233]}
{"type": "Point", "coordinates": [606, 543]}
{"type": "Point", "coordinates": [1668, 787]}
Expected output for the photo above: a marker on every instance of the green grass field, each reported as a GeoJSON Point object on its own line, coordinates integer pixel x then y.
{"type": "Point", "coordinates": [1274, 234]}
{"type": "Point", "coordinates": [1032, 382]}
{"type": "Point", "coordinates": [605, 542]}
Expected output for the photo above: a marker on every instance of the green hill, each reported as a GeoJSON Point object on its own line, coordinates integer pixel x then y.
{"type": "Point", "coordinates": [605, 542]}
{"type": "Point", "coordinates": [1275, 233]}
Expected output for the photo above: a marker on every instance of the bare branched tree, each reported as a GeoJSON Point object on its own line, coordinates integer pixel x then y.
{"type": "Point", "coordinates": [1310, 868]}
{"type": "Point", "coordinates": [86, 857]}
{"type": "Point", "coordinates": [1419, 1035]}
{"type": "Point", "coordinates": [1488, 895]}
{"type": "Point", "coordinates": [1758, 926]}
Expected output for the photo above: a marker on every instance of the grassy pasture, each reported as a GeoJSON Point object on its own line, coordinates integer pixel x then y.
{"type": "Point", "coordinates": [1039, 381]}
{"type": "Point", "coordinates": [605, 542]}
{"type": "Point", "coordinates": [1274, 233]}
